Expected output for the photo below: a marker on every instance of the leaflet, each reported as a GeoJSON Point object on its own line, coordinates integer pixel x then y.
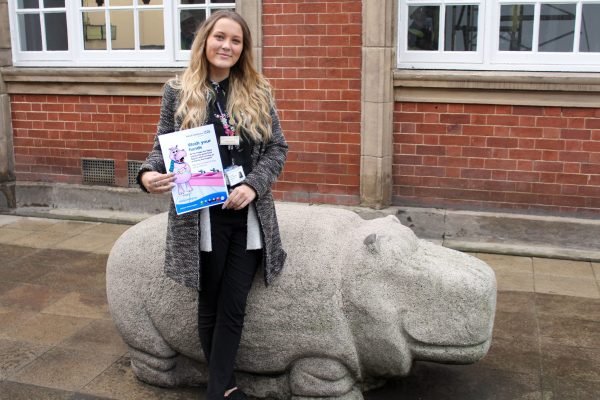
{"type": "Point", "coordinates": [193, 155]}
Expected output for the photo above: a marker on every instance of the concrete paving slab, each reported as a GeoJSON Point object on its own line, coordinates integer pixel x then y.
{"type": "Point", "coordinates": [74, 280]}
{"type": "Point", "coordinates": [521, 282]}
{"type": "Point", "coordinates": [566, 286]}
{"type": "Point", "coordinates": [9, 236]}
{"type": "Point", "coordinates": [29, 297]}
{"type": "Point", "coordinates": [81, 305]}
{"type": "Point", "coordinates": [100, 335]}
{"type": "Point", "coordinates": [16, 354]}
{"type": "Point", "coordinates": [20, 391]}
{"type": "Point", "coordinates": [473, 382]}
{"type": "Point", "coordinates": [65, 369]}
{"type": "Point", "coordinates": [569, 331]}
{"type": "Point", "coordinates": [568, 306]}
{"type": "Point", "coordinates": [11, 317]}
{"type": "Point", "coordinates": [596, 269]}
{"type": "Point", "coordinates": [85, 242]}
{"type": "Point", "coordinates": [9, 252]}
{"type": "Point", "coordinates": [515, 326]}
{"type": "Point", "coordinates": [9, 219]}
{"type": "Point", "coordinates": [570, 363]}
{"type": "Point", "coordinates": [39, 240]}
{"type": "Point", "coordinates": [575, 269]}
{"type": "Point", "coordinates": [516, 302]}
{"type": "Point", "coordinates": [23, 270]}
{"type": "Point", "coordinates": [113, 230]}
{"type": "Point", "coordinates": [522, 356]}
{"type": "Point", "coordinates": [506, 263]}
{"type": "Point", "coordinates": [31, 224]}
{"type": "Point", "coordinates": [118, 382]}
{"type": "Point", "coordinates": [564, 389]}
{"type": "Point", "coordinates": [71, 227]}
{"type": "Point", "coordinates": [46, 329]}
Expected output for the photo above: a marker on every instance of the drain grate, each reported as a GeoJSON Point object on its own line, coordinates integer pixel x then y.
{"type": "Point", "coordinates": [98, 172]}
{"type": "Point", "coordinates": [133, 168]}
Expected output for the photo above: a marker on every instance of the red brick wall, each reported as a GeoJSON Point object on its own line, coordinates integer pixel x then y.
{"type": "Point", "coordinates": [53, 133]}
{"type": "Point", "coordinates": [496, 156]}
{"type": "Point", "coordinates": [312, 57]}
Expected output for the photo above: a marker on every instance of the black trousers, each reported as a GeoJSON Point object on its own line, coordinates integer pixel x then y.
{"type": "Point", "coordinates": [227, 274]}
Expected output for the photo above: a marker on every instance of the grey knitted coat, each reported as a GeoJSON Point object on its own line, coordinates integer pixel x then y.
{"type": "Point", "coordinates": [182, 254]}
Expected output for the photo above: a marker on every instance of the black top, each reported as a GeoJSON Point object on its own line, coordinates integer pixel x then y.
{"type": "Point", "coordinates": [241, 154]}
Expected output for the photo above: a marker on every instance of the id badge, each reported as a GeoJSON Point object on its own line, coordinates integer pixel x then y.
{"type": "Point", "coordinates": [229, 140]}
{"type": "Point", "coordinates": [234, 175]}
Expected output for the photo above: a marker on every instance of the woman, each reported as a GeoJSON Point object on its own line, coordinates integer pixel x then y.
{"type": "Point", "coordinates": [218, 249]}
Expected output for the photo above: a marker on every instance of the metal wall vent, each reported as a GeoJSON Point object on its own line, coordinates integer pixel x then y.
{"type": "Point", "coordinates": [133, 168]}
{"type": "Point", "coordinates": [98, 172]}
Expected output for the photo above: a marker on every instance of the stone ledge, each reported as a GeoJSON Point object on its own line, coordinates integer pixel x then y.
{"type": "Point", "coordinates": [87, 81]}
{"type": "Point", "coordinates": [558, 89]}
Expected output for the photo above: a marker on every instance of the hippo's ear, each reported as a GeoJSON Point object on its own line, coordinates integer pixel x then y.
{"type": "Point", "coordinates": [372, 243]}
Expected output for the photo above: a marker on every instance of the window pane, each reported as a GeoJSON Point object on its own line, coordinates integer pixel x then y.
{"type": "Point", "coordinates": [30, 32]}
{"type": "Point", "coordinates": [152, 31]}
{"type": "Point", "coordinates": [150, 2]}
{"type": "Point", "coordinates": [27, 4]}
{"type": "Point", "coordinates": [516, 27]}
{"type": "Point", "coordinates": [557, 27]}
{"type": "Point", "coordinates": [116, 3]}
{"type": "Point", "coordinates": [56, 31]}
{"type": "Point", "coordinates": [423, 27]}
{"type": "Point", "coordinates": [94, 31]}
{"type": "Point", "coordinates": [189, 21]}
{"type": "Point", "coordinates": [54, 3]}
{"type": "Point", "coordinates": [461, 28]}
{"type": "Point", "coordinates": [192, 1]}
{"type": "Point", "coordinates": [590, 28]}
{"type": "Point", "coordinates": [121, 22]}
{"type": "Point", "coordinates": [222, 1]}
{"type": "Point", "coordinates": [92, 3]}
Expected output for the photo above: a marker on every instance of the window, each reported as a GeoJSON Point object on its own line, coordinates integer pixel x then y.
{"type": "Point", "coordinates": [107, 32]}
{"type": "Point", "coordinates": [499, 34]}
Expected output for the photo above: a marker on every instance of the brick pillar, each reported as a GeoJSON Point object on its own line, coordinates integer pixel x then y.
{"type": "Point", "coordinates": [377, 103]}
{"type": "Point", "coordinates": [7, 157]}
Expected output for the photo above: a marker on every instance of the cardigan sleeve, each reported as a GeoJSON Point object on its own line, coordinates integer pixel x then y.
{"type": "Point", "coordinates": [270, 162]}
{"type": "Point", "coordinates": [166, 124]}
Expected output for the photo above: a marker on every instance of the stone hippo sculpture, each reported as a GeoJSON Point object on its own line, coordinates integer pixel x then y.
{"type": "Point", "coordinates": [358, 302]}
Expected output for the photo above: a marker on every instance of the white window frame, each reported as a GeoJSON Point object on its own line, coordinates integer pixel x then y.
{"type": "Point", "coordinates": [487, 56]}
{"type": "Point", "coordinates": [77, 56]}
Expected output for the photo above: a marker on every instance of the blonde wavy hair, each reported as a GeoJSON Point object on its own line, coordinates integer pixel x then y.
{"type": "Point", "coordinates": [249, 100]}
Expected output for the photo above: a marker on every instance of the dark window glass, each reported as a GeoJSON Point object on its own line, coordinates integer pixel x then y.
{"type": "Point", "coordinates": [423, 27]}
{"type": "Point", "coordinates": [56, 31]}
{"type": "Point", "coordinates": [557, 27]}
{"type": "Point", "coordinates": [589, 40]}
{"type": "Point", "coordinates": [461, 28]}
{"type": "Point", "coordinates": [27, 4]}
{"type": "Point", "coordinates": [189, 22]}
{"type": "Point", "coordinates": [30, 32]}
{"type": "Point", "coordinates": [54, 3]}
{"type": "Point", "coordinates": [193, 2]}
{"type": "Point", "coordinates": [516, 27]}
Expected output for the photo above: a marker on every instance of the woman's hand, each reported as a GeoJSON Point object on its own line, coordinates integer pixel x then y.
{"type": "Point", "coordinates": [240, 197]}
{"type": "Point", "coordinates": [157, 183]}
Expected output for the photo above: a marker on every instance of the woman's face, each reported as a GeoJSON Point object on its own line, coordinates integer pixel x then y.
{"type": "Point", "coordinates": [224, 46]}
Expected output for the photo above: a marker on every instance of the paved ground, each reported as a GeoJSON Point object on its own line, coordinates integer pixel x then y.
{"type": "Point", "coordinates": [57, 340]}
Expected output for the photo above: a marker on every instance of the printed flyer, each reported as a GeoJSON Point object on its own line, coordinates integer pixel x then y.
{"type": "Point", "coordinates": [193, 155]}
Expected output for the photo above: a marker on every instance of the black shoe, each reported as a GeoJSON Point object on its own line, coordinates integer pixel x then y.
{"type": "Point", "coordinates": [237, 394]}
